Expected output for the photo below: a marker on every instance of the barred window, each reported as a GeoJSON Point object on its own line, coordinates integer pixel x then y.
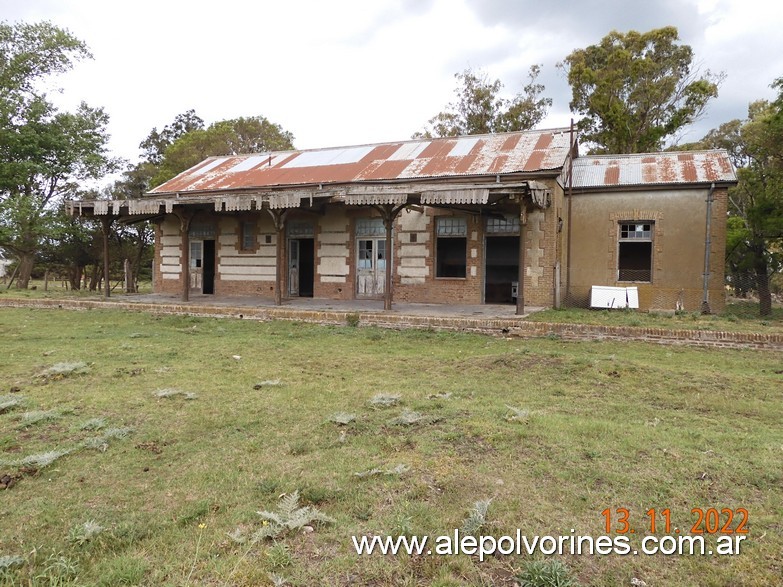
{"type": "Point", "coordinates": [634, 254]}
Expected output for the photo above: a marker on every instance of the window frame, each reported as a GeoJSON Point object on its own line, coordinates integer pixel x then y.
{"type": "Point", "coordinates": [247, 228]}
{"type": "Point", "coordinates": [643, 232]}
{"type": "Point", "coordinates": [450, 228]}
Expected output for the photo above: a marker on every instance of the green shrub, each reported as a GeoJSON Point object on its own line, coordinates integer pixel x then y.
{"type": "Point", "coordinates": [550, 573]}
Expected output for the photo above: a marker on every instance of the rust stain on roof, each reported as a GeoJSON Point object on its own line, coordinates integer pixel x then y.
{"type": "Point", "coordinates": [543, 142]}
{"type": "Point", "coordinates": [612, 173]}
{"type": "Point", "coordinates": [526, 151]}
{"type": "Point", "coordinates": [510, 143]}
{"type": "Point", "coordinates": [498, 163]}
{"type": "Point", "coordinates": [689, 172]}
{"type": "Point", "coordinates": [668, 168]}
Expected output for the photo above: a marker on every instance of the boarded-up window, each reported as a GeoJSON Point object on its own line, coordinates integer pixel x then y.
{"type": "Point", "coordinates": [451, 247]}
{"type": "Point", "coordinates": [634, 256]}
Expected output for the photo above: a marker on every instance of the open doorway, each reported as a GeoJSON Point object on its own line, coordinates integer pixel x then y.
{"type": "Point", "coordinates": [501, 269]}
{"type": "Point", "coordinates": [202, 266]}
{"type": "Point", "coordinates": [208, 286]}
{"type": "Point", "coordinates": [301, 267]}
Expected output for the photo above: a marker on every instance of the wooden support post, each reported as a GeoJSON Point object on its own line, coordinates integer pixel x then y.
{"type": "Point", "coordinates": [389, 213]}
{"type": "Point", "coordinates": [106, 222]}
{"type": "Point", "coordinates": [388, 296]}
{"type": "Point", "coordinates": [278, 218]}
{"type": "Point", "coordinates": [521, 273]}
{"type": "Point", "coordinates": [128, 276]}
{"type": "Point", "coordinates": [185, 217]}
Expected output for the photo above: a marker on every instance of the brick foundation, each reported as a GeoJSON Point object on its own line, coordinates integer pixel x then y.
{"type": "Point", "coordinates": [492, 326]}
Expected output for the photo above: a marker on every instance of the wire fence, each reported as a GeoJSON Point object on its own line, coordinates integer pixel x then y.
{"type": "Point", "coordinates": [634, 285]}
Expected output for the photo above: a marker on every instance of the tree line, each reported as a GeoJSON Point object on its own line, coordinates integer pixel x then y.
{"type": "Point", "coordinates": [632, 93]}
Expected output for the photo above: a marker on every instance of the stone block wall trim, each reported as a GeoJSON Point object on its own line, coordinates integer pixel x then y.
{"type": "Point", "coordinates": [510, 326]}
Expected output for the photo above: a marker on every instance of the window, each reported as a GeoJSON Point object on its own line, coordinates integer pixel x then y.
{"type": "Point", "coordinates": [248, 236]}
{"type": "Point", "coordinates": [365, 254]}
{"type": "Point", "coordinates": [205, 230]}
{"type": "Point", "coordinates": [634, 257]}
{"type": "Point", "coordinates": [451, 247]}
{"type": "Point", "coordinates": [370, 227]}
{"type": "Point", "coordinates": [195, 254]}
{"type": "Point", "coordinates": [504, 225]}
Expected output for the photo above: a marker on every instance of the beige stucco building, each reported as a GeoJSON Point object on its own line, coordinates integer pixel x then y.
{"type": "Point", "coordinates": [500, 219]}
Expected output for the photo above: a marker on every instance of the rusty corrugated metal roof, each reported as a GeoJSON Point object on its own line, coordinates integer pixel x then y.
{"type": "Point", "coordinates": [653, 169]}
{"type": "Point", "coordinates": [476, 155]}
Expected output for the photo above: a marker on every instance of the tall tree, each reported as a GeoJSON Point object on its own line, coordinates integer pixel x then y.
{"type": "Point", "coordinates": [44, 153]}
{"type": "Point", "coordinates": [634, 90]}
{"type": "Point", "coordinates": [254, 134]}
{"type": "Point", "coordinates": [755, 235]}
{"type": "Point", "coordinates": [480, 109]}
{"type": "Point", "coordinates": [156, 143]}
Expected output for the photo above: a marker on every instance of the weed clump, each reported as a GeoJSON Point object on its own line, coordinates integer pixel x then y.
{"type": "Point", "coordinates": [169, 392]}
{"type": "Point", "coordinates": [288, 517]}
{"type": "Point", "coordinates": [81, 534]}
{"type": "Point", "coordinates": [409, 418]}
{"type": "Point", "coordinates": [342, 418]}
{"type": "Point", "coordinates": [268, 383]}
{"type": "Point", "coordinates": [38, 416]}
{"type": "Point", "coordinates": [93, 424]}
{"type": "Point", "coordinates": [385, 400]}
{"type": "Point", "coordinates": [44, 459]}
{"type": "Point", "coordinates": [477, 517]}
{"type": "Point", "coordinates": [391, 472]}
{"type": "Point", "coordinates": [516, 414]}
{"type": "Point", "coordinates": [63, 370]}
{"type": "Point", "coordinates": [10, 402]}
{"type": "Point", "coordinates": [546, 574]}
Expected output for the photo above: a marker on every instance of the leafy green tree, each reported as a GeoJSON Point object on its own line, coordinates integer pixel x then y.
{"type": "Point", "coordinates": [634, 90]}
{"type": "Point", "coordinates": [44, 153]}
{"type": "Point", "coordinates": [254, 134]}
{"type": "Point", "coordinates": [480, 109]}
{"type": "Point", "coordinates": [755, 225]}
{"type": "Point", "coordinates": [156, 143]}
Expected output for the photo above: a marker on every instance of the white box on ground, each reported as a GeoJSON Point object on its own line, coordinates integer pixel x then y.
{"type": "Point", "coordinates": [633, 297]}
{"type": "Point", "coordinates": [604, 296]}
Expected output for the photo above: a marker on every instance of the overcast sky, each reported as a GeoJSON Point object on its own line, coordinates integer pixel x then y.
{"type": "Point", "coordinates": [346, 72]}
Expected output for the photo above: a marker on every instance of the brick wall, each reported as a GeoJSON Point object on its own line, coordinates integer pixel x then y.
{"type": "Point", "coordinates": [491, 326]}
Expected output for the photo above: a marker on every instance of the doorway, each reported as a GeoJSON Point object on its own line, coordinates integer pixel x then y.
{"type": "Point", "coordinates": [301, 267]}
{"type": "Point", "coordinates": [501, 269]}
{"type": "Point", "coordinates": [202, 266]}
{"type": "Point", "coordinates": [371, 267]}
{"type": "Point", "coordinates": [208, 285]}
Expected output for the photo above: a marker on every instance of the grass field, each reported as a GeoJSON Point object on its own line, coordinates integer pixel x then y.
{"type": "Point", "coordinates": [141, 449]}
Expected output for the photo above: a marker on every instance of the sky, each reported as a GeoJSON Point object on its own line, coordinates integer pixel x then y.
{"type": "Point", "coordinates": [350, 72]}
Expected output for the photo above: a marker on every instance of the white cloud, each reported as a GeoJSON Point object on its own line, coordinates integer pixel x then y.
{"type": "Point", "coordinates": [352, 71]}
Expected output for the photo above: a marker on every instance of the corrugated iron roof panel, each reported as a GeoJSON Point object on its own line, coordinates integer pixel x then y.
{"type": "Point", "coordinates": [653, 169]}
{"type": "Point", "coordinates": [529, 151]}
